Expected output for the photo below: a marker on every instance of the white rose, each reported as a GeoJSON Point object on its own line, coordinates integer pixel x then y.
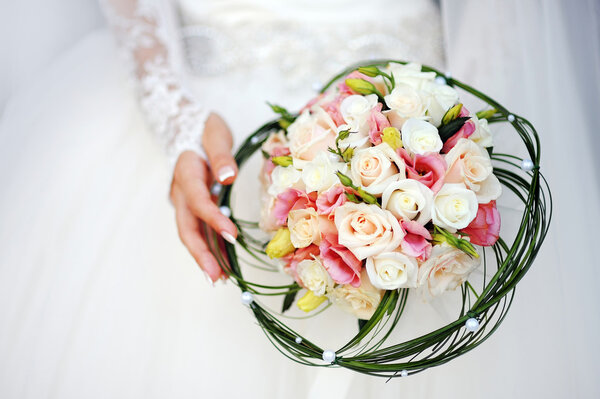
{"type": "Point", "coordinates": [404, 102]}
{"type": "Point", "coordinates": [392, 270]}
{"type": "Point", "coordinates": [441, 99]}
{"type": "Point", "coordinates": [311, 133]}
{"type": "Point", "coordinates": [355, 110]}
{"type": "Point", "coordinates": [470, 164]}
{"type": "Point", "coordinates": [367, 230]}
{"type": "Point", "coordinates": [304, 227]}
{"type": "Point", "coordinates": [408, 199]}
{"type": "Point", "coordinates": [360, 302]}
{"type": "Point", "coordinates": [319, 174]}
{"type": "Point", "coordinates": [313, 276]}
{"type": "Point", "coordinates": [283, 178]}
{"type": "Point", "coordinates": [267, 221]}
{"type": "Point", "coordinates": [420, 137]}
{"type": "Point", "coordinates": [376, 167]}
{"type": "Point", "coordinates": [446, 269]}
{"type": "Point", "coordinates": [482, 134]}
{"type": "Point", "coordinates": [410, 74]}
{"type": "Point", "coordinates": [454, 207]}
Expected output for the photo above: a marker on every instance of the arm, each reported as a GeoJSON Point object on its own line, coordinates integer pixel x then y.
{"type": "Point", "coordinates": [147, 34]}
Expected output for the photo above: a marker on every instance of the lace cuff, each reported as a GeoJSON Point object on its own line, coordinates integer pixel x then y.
{"type": "Point", "coordinates": [146, 33]}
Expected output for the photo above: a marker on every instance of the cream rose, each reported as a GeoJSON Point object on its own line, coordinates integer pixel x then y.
{"type": "Point", "coordinates": [311, 133]}
{"type": "Point", "coordinates": [404, 102]}
{"type": "Point", "coordinates": [355, 110]}
{"type": "Point", "coordinates": [446, 269]}
{"type": "Point", "coordinates": [420, 137]}
{"type": "Point", "coordinates": [313, 276]}
{"type": "Point", "coordinates": [319, 174]}
{"type": "Point", "coordinates": [392, 270]}
{"type": "Point", "coordinates": [470, 164]}
{"type": "Point", "coordinates": [360, 302]}
{"type": "Point", "coordinates": [454, 207]}
{"type": "Point", "coordinates": [274, 141]}
{"type": "Point", "coordinates": [367, 230]}
{"type": "Point", "coordinates": [482, 134]}
{"type": "Point", "coordinates": [304, 227]}
{"type": "Point", "coordinates": [408, 199]}
{"type": "Point", "coordinates": [283, 178]}
{"type": "Point", "coordinates": [375, 167]}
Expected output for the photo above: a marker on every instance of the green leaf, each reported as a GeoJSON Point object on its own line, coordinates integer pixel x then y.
{"type": "Point", "coordinates": [452, 114]}
{"type": "Point", "coordinates": [448, 130]}
{"type": "Point", "coordinates": [288, 300]}
{"type": "Point", "coordinates": [361, 323]}
{"type": "Point", "coordinates": [490, 150]}
{"type": "Point", "coordinates": [278, 109]}
{"type": "Point", "coordinates": [265, 154]}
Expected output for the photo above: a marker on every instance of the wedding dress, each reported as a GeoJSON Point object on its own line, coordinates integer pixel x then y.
{"type": "Point", "coordinates": [99, 297]}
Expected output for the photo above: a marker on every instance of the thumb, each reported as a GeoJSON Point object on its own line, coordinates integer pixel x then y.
{"type": "Point", "coordinates": [217, 142]}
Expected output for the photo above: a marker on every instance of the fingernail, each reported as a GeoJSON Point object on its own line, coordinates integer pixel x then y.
{"type": "Point", "coordinates": [207, 277]}
{"type": "Point", "coordinates": [225, 173]}
{"type": "Point", "coordinates": [228, 237]}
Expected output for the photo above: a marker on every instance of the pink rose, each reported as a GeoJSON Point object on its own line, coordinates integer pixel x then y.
{"type": "Point", "coordinates": [428, 169]}
{"type": "Point", "coordinates": [340, 263]}
{"type": "Point", "coordinates": [465, 131]}
{"type": "Point", "coordinates": [318, 99]}
{"type": "Point", "coordinates": [484, 230]}
{"type": "Point", "coordinates": [331, 199]}
{"type": "Point", "coordinates": [311, 133]}
{"type": "Point", "coordinates": [292, 199]}
{"type": "Point", "coordinates": [377, 122]}
{"type": "Point", "coordinates": [416, 242]}
{"type": "Point", "coordinates": [298, 256]}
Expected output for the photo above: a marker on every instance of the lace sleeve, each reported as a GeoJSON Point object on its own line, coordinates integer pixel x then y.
{"type": "Point", "coordinates": [147, 33]}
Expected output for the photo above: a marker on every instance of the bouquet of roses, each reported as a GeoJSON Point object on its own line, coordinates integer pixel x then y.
{"type": "Point", "coordinates": [380, 183]}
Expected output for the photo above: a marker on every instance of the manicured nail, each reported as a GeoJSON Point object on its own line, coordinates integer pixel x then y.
{"type": "Point", "coordinates": [225, 173]}
{"type": "Point", "coordinates": [228, 237]}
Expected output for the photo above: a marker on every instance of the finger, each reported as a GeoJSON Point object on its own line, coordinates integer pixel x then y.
{"type": "Point", "coordinates": [198, 200]}
{"type": "Point", "coordinates": [217, 142]}
{"type": "Point", "coordinates": [189, 233]}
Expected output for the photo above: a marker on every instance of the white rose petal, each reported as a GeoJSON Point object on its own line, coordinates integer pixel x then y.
{"type": "Point", "coordinates": [283, 178]}
{"type": "Point", "coordinates": [367, 230]}
{"type": "Point", "coordinates": [355, 110]}
{"type": "Point", "coordinates": [454, 207]}
{"type": "Point", "coordinates": [420, 137]}
{"type": "Point", "coordinates": [482, 134]}
{"type": "Point", "coordinates": [392, 270]}
{"type": "Point", "coordinates": [319, 174]}
{"type": "Point", "coordinates": [304, 227]}
{"type": "Point", "coordinates": [410, 74]}
{"type": "Point", "coordinates": [441, 99]}
{"type": "Point", "coordinates": [374, 168]}
{"type": "Point", "coordinates": [313, 276]}
{"type": "Point", "coordinates": [360, 302]}
{"type": "Point", "coordinates": [408, 199]}
{"type": "Point", "coordinates": [404, 102]}
{"type": "Point", "coordinates": [470, 164]}
{"type": "Point", "coordinates": [446, 269]}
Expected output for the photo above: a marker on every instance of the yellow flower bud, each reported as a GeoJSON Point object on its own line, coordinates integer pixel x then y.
{"type": "Point", "coordinates": [452, 114]}
{"type": "Point", "coordinates": [280, 245]}
{"type": "Point", "coordinates": [282, 160]}
{"type": "Point", "coordinates": [391, 136]}
{"type": "Point", "coordinates": [310, 301]}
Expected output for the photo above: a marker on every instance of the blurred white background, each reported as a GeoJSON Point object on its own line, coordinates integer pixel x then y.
{"type": "Point", "coordinates": [34, 32]}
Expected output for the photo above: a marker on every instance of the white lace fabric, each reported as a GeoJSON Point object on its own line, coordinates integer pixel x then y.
{"type": "Point", "coordinates": [175, 116]}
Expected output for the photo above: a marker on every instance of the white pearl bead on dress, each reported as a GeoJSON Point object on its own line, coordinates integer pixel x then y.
{"type": "Point", "coordinates": [440, 80]}
{"type": "Point", "coordinates": [404, 373]}
{"type": "Point", "coordinates": [511, 118]}
{"type": "Point", "coordinates": [298, 340]}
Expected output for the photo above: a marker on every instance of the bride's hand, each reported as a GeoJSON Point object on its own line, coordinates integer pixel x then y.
{"type": "Point", "coordinates": [191, 196]}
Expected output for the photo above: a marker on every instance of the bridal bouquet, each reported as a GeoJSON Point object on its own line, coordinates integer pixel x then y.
{"type": "Point", "coordinates": [383, 185]}
{"type": "Point", "coordinates": [383, 182]}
